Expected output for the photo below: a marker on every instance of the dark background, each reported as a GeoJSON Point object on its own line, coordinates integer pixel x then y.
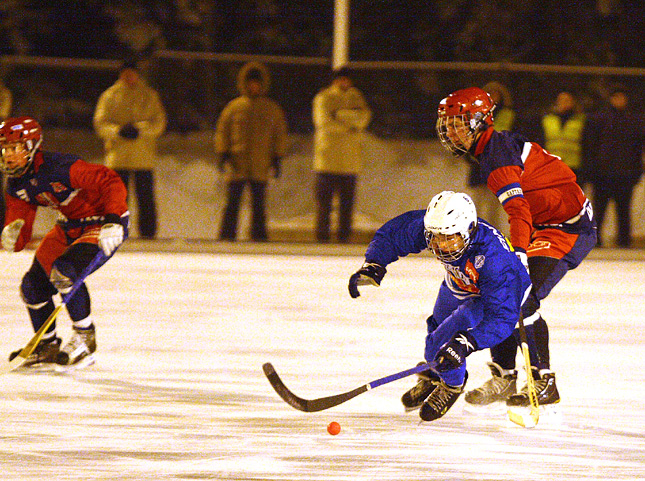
{"type": "Point", "coordinates": [582, 33]}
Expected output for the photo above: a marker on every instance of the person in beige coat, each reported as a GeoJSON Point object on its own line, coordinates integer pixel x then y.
{"type": "Point", "coordinates": [340, 115]}
{"type": "Point", "coordinates": [130, 117]}
{"type": "Point", "coordinates": [6, 102]}
{"type": "Point", "coordinates": [251, 137]}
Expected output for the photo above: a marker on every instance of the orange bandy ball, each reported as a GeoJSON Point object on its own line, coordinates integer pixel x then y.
{"type": "Point", "coordinates": [333, 428]}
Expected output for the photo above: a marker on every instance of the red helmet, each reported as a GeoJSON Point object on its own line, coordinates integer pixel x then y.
{"type": "Point", "coordinates": [474, 108]}
{"type": "Point", "coordinates": [19, 130]}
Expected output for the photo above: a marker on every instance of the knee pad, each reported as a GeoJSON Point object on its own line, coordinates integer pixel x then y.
{"type": "Point", "coordinates": [35, 288]}
{"type": "Point", "coordinates": [62, 276]}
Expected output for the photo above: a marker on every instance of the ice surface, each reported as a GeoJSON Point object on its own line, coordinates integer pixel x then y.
{"type": "Point", "coordinates": [178, 390]}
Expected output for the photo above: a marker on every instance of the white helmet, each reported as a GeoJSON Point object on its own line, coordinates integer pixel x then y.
{"type": "Point", "coordinates": [450, 221]}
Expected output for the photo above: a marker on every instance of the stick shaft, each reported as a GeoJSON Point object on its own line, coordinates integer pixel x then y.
{"type": "Point", "coordinates": [320, 404]}
{"type": "Point", "coordinates": [33, 342]}
{"type": "Point", "coordinates": [534, 414]}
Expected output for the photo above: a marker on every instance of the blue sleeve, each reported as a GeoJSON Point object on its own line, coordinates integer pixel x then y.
{"type": "Point", "coordinates": [398, 237]}
{"type": "Point", "coordinates": [503, 149]}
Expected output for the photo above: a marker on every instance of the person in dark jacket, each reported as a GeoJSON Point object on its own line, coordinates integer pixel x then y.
{"type": "Point", "coordinates": [613, 154]}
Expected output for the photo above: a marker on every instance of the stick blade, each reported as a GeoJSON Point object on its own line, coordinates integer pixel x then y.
{"type": "Point", "coordinates": [282, 390]}
{"type": "Point", "coordinates": [307, 405]}
{"type": "Point", "coordinates": [526, 420]}
{"type": "Point", "coordinates": [12, 365]}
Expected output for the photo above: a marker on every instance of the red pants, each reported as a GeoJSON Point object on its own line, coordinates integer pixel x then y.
{"type": "Point", "coordinates": [58, 241]}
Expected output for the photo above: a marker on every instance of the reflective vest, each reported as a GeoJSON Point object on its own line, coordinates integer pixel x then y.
{"type": "Point", "coordinates": [565, 141]}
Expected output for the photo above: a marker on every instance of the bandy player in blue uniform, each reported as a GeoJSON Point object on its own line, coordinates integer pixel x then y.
{"type": "Point", "coordinates": [93, 215]}
{"type": "Point", "coordinates": [479, 301]}
{"type": "Point", "coordinates": [551, 225]}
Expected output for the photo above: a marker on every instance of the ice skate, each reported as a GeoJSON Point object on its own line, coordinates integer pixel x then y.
{"type": "Point", "coordinates": [79, 350]}
{"type": "Point", "coordinates": [547, 391]}
{"type": "Point", "coordinates": [413, 399]}
{"type": "Point", "coordinates": [45, 352]}
{"type": "Point", "coordinates": [441, 400]}
{"type": "Point", "coordinates": [502, 385]}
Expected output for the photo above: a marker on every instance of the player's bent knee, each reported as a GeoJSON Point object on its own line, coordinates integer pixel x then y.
{"type": "Point", "coordinates": [63, 276]}
{"type": "Point", "coordinates": [35, 289]}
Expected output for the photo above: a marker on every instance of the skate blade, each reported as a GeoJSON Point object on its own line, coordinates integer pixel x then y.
{"type": "Point", "coordinates": [37, 368]}
{"type": "Point", "coordinates": [83, 363]}
{"type": "Point", "coordinates": [494, 409]}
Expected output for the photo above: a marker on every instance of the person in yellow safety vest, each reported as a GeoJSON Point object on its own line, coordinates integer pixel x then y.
{"type": "Point", "coordinates": [562, 129]}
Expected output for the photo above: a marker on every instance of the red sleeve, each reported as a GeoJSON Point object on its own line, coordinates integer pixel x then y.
{"type": "Point", "coordinates": [504, 182]}
{"type": "Point", "coordinates": [106, 182]}
{"type": "Point", "coordinates": [19, 209]}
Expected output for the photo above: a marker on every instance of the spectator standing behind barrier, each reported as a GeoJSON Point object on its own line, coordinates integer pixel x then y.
{"type": "Point", "coordinates": [562, 130]}
{"type": "Point", "coordinates": [6, 101]}
{"type": "Point", "coordinates": [250, 136]}
{"type": "Point", "coordinates": [488, 205]}
{"type": "Point", "coordinates": [340, 115]}
{"type": "Point", "coordinates": [613, 159]}
{"type": "Point", "coordinates": [129, 117]}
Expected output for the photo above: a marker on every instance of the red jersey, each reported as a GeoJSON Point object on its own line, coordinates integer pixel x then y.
{"type": "Point", "coordinates": [83, 193]}
{"type": "Point", "coordinates": [535, 188]}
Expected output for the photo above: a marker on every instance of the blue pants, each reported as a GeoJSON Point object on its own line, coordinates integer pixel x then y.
{"type": "Point", "coordinates": [442, 326]}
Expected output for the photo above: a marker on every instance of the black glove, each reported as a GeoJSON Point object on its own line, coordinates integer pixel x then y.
{"type": "Point", "coordinates": [129, 131]}
{"type": "Point", "coordinates": [224, 158]}
{"type": "Point", "coordinates": [453, 353]}
{"type": "Point", "coordinates": [368, 274]}
{"type": "Point", "coordinates": [275, 163]}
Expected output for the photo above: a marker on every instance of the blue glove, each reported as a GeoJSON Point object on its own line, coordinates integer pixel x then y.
{"type": "Point", "coordinates": [453, 353]}
{"type": "Point", "coordinates": [368, 274]}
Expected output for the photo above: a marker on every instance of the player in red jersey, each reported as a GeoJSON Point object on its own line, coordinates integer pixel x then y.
{"type": "Point", "coordinates": [552, 228]}
{"type": "Point", "coordinates": [93, 215]}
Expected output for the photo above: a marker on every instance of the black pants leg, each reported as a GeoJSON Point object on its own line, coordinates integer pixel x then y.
{"type": "Point", "coordinates": [623, 196]}
{"type": "Point", "coordinates": [144, 187]}
{"type": "Point", "coordinates": [258, 219]}
{"type": "Point", "coordinates": [324, 196]}
{"type": "Point", "coordinates": [228, 230]}
{"type": "Point", "coordinates": [601, 196]}
{"type": "Point", "coordinates": [347, 191]}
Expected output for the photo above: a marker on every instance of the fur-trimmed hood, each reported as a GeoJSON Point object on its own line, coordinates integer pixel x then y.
{"type": "Point", "coordinates": [244, 71]}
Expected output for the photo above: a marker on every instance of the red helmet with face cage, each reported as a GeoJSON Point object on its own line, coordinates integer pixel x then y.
{"type": "Point", "coordinates": [474, 107]}
{"type": "Point", "coordinates": [19, 130]}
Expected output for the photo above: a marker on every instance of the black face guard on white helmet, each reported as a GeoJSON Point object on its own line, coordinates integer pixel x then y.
{"type": "Point", "coordinates": [450, 213]}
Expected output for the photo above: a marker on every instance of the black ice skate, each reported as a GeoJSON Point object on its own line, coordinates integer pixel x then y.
{"type": "Point", "coordinates": [547, 391]}
{"type": "Point", "coordinates": [441, 400]}
{"type": "Point", "coordinates": [413, 399]}
{"type": "Point", "coordinates": [45, 352]}
{"type": "Point", "coordinates": [498, 388]}
{"type": "Point", "coordinates": [78, 351]}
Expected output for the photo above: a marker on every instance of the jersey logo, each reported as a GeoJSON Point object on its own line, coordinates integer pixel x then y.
{"type": "Point", "coordinates": [479, 261]}
{"type": "Point", "coordinates": [462, 339]}
{"type": "Point", "coordinates": [465, 281]}
{"type": "Point", "coordinates": [48, 199]}
{"type": "Point", "coordinates": [538, 246]}
{"type": "Point", "coordinates": [57, 187]}
{"type": "Point", "coordinates": [22, 194]}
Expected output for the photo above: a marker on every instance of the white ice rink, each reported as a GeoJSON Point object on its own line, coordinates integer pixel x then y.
{"type": "Point", "coordinates": [178, 392]}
